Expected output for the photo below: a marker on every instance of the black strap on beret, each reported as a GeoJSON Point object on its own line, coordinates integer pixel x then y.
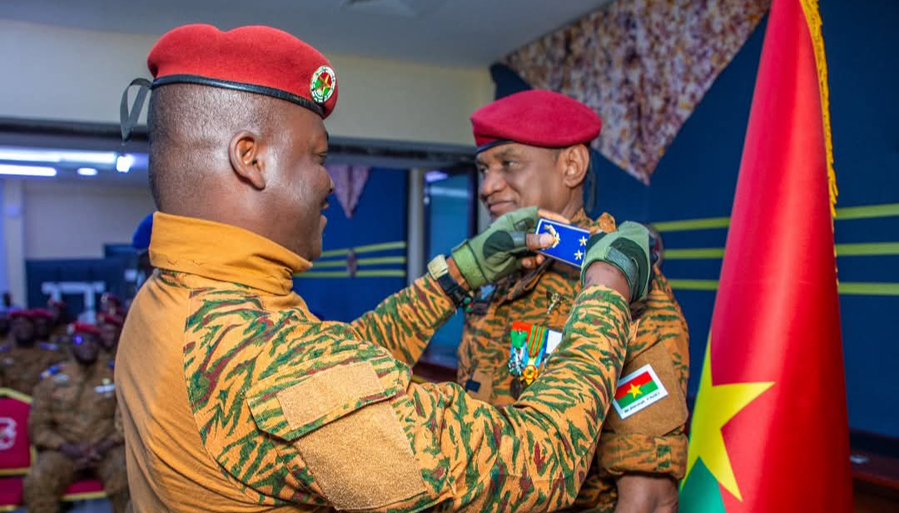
{"type": "Point", "coordinates": [128, 120]}
{"type": "Point", "coordinates": [240, 86]}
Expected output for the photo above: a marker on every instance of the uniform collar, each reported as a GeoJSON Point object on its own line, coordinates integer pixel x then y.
{"type": "Point", "coordinates": [224, 253]}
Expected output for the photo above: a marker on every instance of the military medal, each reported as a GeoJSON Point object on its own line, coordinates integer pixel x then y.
{"type": "Point", "coordinates": [531, 344]}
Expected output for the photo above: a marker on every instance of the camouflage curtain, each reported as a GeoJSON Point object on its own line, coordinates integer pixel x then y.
{"type": "Point", "coordinates": [643, 65]}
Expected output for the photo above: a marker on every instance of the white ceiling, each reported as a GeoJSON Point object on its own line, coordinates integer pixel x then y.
{"type": "Point", "coordinates": [441, 32]}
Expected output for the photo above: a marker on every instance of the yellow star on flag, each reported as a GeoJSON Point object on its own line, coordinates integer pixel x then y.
{"type": "Point", "coordinates": [715, 407]}
{"type": "Point", "coordinates": [634, 390]}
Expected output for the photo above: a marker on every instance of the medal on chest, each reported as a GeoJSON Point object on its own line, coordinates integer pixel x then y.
{"type": "Point", "coordinates": [531, 345]}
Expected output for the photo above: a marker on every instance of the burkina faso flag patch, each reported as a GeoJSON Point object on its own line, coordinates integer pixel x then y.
{"type": "Point", "coordinates": [637, 391]}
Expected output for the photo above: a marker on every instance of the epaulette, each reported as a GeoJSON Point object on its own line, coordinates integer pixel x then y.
{"type": "Point", "coordinates": [52, 371]}
{"type": "Point", "coordinates": [48, 346]}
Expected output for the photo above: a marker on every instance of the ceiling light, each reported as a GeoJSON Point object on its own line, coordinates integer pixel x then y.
{"type": "Point", "coordinates": [89, 157]}
{"type": "Point", "coordinates": [10, 170]}
{"type": "Point", "coordinates": [29, 155]}
{"type": "Point", "coordinates": [87, 171]}
{"type": "Point", "coordinates": [123, 163]}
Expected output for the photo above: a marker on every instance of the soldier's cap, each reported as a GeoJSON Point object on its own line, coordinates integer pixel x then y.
{"type": "Point", "coordinates": [105, 318]}
{"type": "Point", "coordinates": [83, 328]}
{"type": "Point", "coordinates": [41, 313]}
{"type": "Point", "coordinates": [535, 118]}
{"type": "Point", "coordinates": [253, 59]}
{"type": "Point", "coordinates": [21, 314]}
{"type": "Point", "coordinates": [109, 297]}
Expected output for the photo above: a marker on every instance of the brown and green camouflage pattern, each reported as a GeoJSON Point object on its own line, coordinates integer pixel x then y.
{"type": "Point", "coordinates": [77, 405]}
{"type": "Point", "coordinates": [471, 456]}
{"type": "Point", "coordinates": [21, 367]}
{"type": "Point", "coordinates": [545, 296]}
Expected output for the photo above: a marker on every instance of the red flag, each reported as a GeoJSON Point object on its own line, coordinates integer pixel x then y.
{"type": "Point", "coordinates": [770, 429]}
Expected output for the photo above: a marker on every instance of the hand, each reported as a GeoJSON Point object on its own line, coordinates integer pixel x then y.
{"type": "Point", "coordinates": [503, 248]}
{"type": "Point", "coordinates": [627, 250]}
{"type": "Point", "coordinates": [646, 494]}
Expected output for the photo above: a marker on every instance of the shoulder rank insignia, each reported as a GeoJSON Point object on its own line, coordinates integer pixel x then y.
{"type": "Point", "coordinates": [531, 344]}
{"type": "Point", "coordinates": [47, 346]}
{"type": "Point", "coordinates": [570, 242]}
{"type": "Point", "coordinates": [637, 391]}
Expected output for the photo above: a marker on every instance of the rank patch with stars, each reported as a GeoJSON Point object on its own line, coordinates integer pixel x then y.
{"type": "Point", "coordinates": [570, 244]}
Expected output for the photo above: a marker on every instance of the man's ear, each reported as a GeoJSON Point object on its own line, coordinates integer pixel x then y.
{"type": "Point", "coordinates": [247, 152]}
{"type": "Point", "coordinates": [575, 162]}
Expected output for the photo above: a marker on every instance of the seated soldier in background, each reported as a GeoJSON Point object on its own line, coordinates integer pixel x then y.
{"type": "Point", "coordinates": [43, 328]}
{"type": "Point", "coordinates": [111, 304]}
{"type": "Point", "coordinates": [23, 359]}
{"type": "Point", "coordinates": [4, 326]}
{"type": "Point", "coordinates": [234, 397]}
{"type": "Point", "coordinates": [110, 327]}
{"type": "Point", "coordinates": [72, 426]}
{"type": "Point", "coordinates": [60, 323]}
{"type": "Point", "coordinates": [533, 151]}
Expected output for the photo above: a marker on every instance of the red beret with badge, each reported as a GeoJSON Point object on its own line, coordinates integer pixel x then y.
{"type": "Point", "coordinates": [535, 118]}
{"type": "Point", "coordinates": [254, 59]}
{"type": "Point", "coordinates": [107, 318]}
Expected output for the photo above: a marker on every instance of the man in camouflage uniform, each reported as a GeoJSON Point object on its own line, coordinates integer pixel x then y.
{"type": "Point", "coordinates": [110, 327]}
{"type": "Point", "coordinates": [72, 426]}
{"type": "Point", "coordinates": [23, 358]}
{"type": "Point", "coordinates": [234, 397]}
{"type": "Point", "coordinates": [533, 151]}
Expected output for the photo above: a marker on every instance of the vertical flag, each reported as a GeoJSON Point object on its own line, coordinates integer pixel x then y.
{"type": "Point", "coordinates": [770, 427]}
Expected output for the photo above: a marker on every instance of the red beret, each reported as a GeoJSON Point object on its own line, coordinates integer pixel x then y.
{"type": "Point", "coordinates": [535, 118]}
{"type": "Point", "coordinates": [254, 59]}
{"type": "Point", "coordinates": [82, 328]}
{"type": "Point", "coordinates": [105, 318]}
{"type": "Point", "coordinates": [40, 313]}
{"type": "Point", "coordinates": [21, 314]}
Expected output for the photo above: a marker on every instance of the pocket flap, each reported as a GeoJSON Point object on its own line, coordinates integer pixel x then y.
{"type": "Point", "coordinates": [290, 409]}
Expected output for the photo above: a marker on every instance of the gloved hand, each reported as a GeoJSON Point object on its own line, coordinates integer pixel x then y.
{"type": "Point", "coordinates": [626, 249]}
{"type": "Point", "coordinates": [496, 253]}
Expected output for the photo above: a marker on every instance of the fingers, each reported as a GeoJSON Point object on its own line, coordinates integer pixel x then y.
{"type": "Point", "coordinates": [536, 242]}
{"type": "Point", "coordinates": [552, 216]}
{"type": "Point", "coordinates": [532, 262]}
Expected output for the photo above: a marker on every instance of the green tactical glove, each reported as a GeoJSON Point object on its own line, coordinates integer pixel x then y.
{"type": "Point", "coordinates": [628, 250]}
{"type": "Point", "coordinates": [493, 254]}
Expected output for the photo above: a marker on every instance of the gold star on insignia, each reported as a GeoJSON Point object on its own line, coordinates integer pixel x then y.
{"type": "Point", "coordinates": [579, 255]}
{"type": "Point", "coordinates": [716, 405]}
{"type": "Point", "coordinates": [583, 241]}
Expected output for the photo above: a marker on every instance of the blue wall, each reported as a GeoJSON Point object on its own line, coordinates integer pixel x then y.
{"type": "Point", "coordinates": [379, 217]}
{"type": "Point", "coordinates": [697, 179]}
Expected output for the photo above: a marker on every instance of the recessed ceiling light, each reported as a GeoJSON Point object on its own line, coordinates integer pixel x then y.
{"type": "Point", "coordinates": [87, 171]}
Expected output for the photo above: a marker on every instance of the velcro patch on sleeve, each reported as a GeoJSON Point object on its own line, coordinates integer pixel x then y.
{"type": "Point", "coordinates": [361, 460]}
{"type": "Point", "coordinates": [648, 399]}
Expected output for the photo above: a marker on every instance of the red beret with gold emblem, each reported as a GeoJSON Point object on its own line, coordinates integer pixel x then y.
{"type": "Point", "coordinates": [535, 118]}
{"type": "Point", "coordinates": [254, 59]}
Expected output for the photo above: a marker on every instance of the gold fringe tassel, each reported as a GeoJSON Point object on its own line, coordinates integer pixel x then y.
{"type": "Point", "coordinates": [813, 18]}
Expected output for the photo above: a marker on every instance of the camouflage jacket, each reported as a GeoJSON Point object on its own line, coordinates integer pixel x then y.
{"type": "Point", "coordinates": [234, 397]}
{"type": "Point", "coordinates": [73, 404]}
{"type": "Point", "coordinates": [21, 367]}
{"type": "Point", "coordinates": [651, 441]}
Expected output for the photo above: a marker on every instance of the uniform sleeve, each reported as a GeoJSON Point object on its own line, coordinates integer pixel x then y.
{"type": "Point", "coordinates": [432, 444]}
{"type": "Point", "coordinates": [655, 443]}
{"type": "Point", "coordinates": [41, 427]}
{"type": "Point", "coordinates": [404, 323]}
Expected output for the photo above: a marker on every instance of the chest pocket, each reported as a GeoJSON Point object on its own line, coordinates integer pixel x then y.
{"type": "Point", "coordinates": [338, 425]}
